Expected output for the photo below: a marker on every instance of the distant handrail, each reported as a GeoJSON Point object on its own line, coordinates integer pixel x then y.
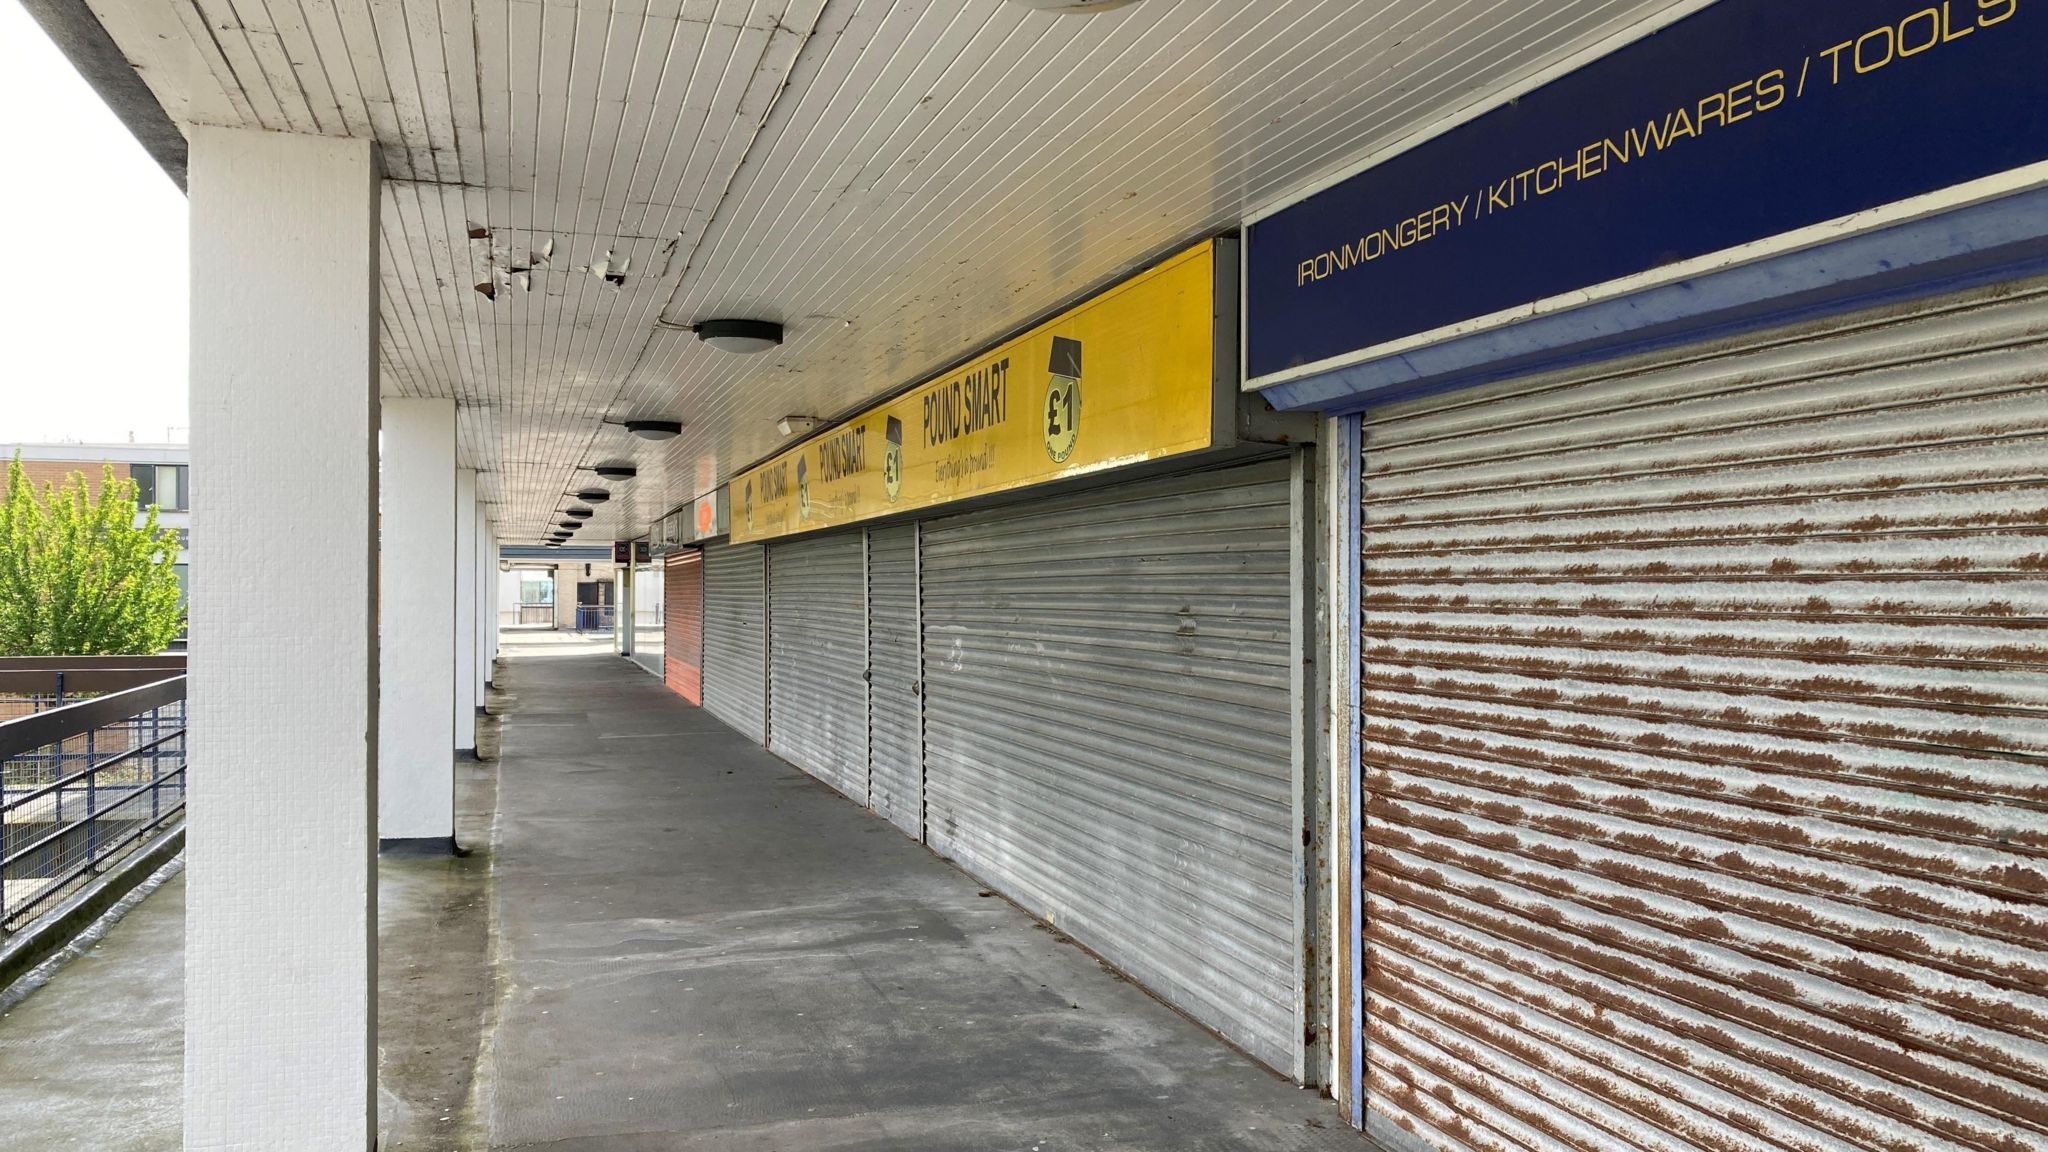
{"type": "Point", "coordinates": [63, 830]}
{"type": "Point", "coordinates": [82, 782]}
{"type": "Point", "coordinates": [54, 725]}
{"type": "Point", "coordinates": [174, 660]}
{"type": "Point", "coordinates": [61, 677]}
{"type": "Point", "coordinates": [58, 785]}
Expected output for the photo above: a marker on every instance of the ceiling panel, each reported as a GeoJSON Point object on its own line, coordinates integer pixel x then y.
{"type": "Point", "coordinates": [899, 182]}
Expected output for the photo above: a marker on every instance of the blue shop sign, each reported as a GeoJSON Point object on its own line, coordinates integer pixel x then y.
{"type": "Point", "coordinates": [1746, 120]}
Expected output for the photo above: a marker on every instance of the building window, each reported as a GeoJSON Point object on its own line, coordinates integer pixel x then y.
{"type": "Point", "coordinates": [168, 486]}
{"type": "Point", "coordinates": [171, 482]}
{"type": "Point", "coordinates": [536, 588]}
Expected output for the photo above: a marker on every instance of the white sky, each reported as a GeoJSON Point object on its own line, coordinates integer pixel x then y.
{"type": "Point", "coordinates": [92, 308]}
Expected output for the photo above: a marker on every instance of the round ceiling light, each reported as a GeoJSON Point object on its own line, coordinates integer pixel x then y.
{"type": "Point", "coordinates": [742, 336]}
{"type": "Point", "coordinates": [654, 429]}
{"type": "Point", "coordinates": [616, 471]}
{"type": "Point", "coordinates": [591, 495]}
{"type": "Point", "coordinates": [571, 525]}
{"type": "Point", "coordinates": [579, 513]}
{"type": "Point", "coordinates": [1073, 6]}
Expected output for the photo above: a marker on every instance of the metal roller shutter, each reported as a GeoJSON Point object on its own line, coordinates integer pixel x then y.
{"type": "Point", "coordinates": [735, 639]}
{"type": "Point", "coordinates": [683, 625]}
{"type": "Point", "coordinates": [817, 658]}
{"type": "Point", "coordinates": [895, 691]}
{"type": "Point", "coordinates": [1107, 730]}
{"type": "Point", "coordinates": [1705, 707]}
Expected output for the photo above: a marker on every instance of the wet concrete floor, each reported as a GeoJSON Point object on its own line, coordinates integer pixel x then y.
{"type": "Point", "coordinates": [666, 938]}
{"type": "Point", "coordinates": [700, 947]}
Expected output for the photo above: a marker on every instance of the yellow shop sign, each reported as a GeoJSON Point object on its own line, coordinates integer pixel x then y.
{"type": "Point", "coordinates": [1129, 376]}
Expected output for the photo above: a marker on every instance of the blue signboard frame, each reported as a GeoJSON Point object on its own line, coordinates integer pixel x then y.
{"type": "Point", "coordinates": [1747, 120]}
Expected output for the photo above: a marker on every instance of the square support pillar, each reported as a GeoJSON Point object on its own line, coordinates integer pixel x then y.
{"type": "Point", "coordinates": [497, 607]}
{"type": "Point", "coordinates": [281, 890]}
{"type": "Point", "coordinates": [465, 612]}
{"type": "Point", "coordinates": [495, 581]}
{"type": "Point", "coordinates": [416, 732]}
{"type": "Point", "coordinates": [487, 607]}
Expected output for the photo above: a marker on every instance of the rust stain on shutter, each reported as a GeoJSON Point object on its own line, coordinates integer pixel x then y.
{"type": "Point", "coordinates": [1705, 738]}
{"type": "Point", "coordinates": [683, 625]}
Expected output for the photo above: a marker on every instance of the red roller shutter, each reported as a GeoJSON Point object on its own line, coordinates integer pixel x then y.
{"type": "Point", "coordinates": [683, 626]}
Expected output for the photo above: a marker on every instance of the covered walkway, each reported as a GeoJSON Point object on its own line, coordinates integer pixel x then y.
{"type": "Point", "coordinates": [698, 946]}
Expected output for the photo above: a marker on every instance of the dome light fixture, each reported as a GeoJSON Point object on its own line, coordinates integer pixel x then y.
{"type": "Point", "coordinates": [580, 513]}
{"type": "Point", "coordinates": [654, 429]}
{"type": "Point", "coordinates": [571, 525]}
{"type": "Point", "coordinates": [590, 495]}
{"type": "Point", "coordinates": [1072, 7]}
{"type": "Point", "coordinates": [615, 471]}
{"type": "Point", "coordinates": [741, 336]}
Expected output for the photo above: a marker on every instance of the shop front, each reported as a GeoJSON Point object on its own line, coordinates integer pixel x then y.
{"type": "Point", "coordinates": [1692, 687]}
{"type": "Point", "coordinates": [1044, 613]}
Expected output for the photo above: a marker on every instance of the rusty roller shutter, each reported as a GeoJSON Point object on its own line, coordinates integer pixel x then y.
{"type": "Point", "coordinates": [1107, 726]}
{"type": "Point", "coordinates": [683, 625]}
{"type": "Point", "coordinates": [1705, 704]}
{"type": "Point", "coordinates": [735, 643]}
{"type": "Point", "coordinates": [895, 693]}
{"type": "Point", "coordinates": [817, 691]}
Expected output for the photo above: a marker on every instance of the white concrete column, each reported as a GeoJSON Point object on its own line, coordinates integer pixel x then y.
{"type": "Point", "coordinates": [497, 586]}
{"type": "Point", "coordinates": [281, 891]}
{"type": "Point", "coordinates": [486, 611]}
{"type": "Point", "coordinates": [416, 730]}
{"type": "Point", "coordinates": [622, 612]}
{"type": "Point", "coordinates": [465, 611]}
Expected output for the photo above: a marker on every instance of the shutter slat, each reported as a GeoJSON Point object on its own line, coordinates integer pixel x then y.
{"type": "Point", "coordinates": [1107, 730]}
{"type": "Point", "coordinates": [1705, 744]}
{"type": "Point", "coordinates": [817, 653]}
{"type": "Point", "coordinates": [734, 640]}
{"type": "Point", "coordinates": [683, 625]}
{"type": "Point", "coordinates": [895, 659]}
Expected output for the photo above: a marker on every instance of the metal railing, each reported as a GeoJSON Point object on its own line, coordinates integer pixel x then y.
{"type": "Point", "coordinates": [83, 781]}
{"type": "Point", "coordinates": [595, 617]}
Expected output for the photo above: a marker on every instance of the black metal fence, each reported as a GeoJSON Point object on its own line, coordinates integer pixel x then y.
{"type": "Point", "coordinates": [85, 780]}
{"type": "Point", "coordinates": [594, 617]}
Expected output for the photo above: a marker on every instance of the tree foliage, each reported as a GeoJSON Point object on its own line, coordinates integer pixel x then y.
{"type": "Point", "coordinates": [78, 575]}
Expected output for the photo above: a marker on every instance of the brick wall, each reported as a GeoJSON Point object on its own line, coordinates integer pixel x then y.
{"type": "Point", "coordinates": [42, 473]}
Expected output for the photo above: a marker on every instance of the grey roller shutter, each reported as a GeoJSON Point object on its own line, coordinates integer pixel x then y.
{"type": "Point", "coordinates": [735, 643]}
{"type": "Point", "coordinates": [1106, 730]}
{"type": "Point", "coordinates": [1705, 708]}
{"type": "Point", "coordinates": [817, 657]}
{"type": "Point", "coordinates": [895, 691]}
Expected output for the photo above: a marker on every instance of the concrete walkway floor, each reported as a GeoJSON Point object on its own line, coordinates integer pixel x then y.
{"type": "Point", "coordinates": [667, 939]}
{"type": "Point", "coordinates": [699, 947]}
{"type": "Point", "coordinates": [92, 1044]}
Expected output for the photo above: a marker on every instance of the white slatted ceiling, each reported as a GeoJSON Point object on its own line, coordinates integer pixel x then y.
{"type": "Point", "coordinates": [935, 173]}
{"type": "Point", "coordinates": [1705, 704]}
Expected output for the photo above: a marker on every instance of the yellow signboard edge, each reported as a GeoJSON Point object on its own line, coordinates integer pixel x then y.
{"type": "Point", "coordinates": [1226, 323]}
